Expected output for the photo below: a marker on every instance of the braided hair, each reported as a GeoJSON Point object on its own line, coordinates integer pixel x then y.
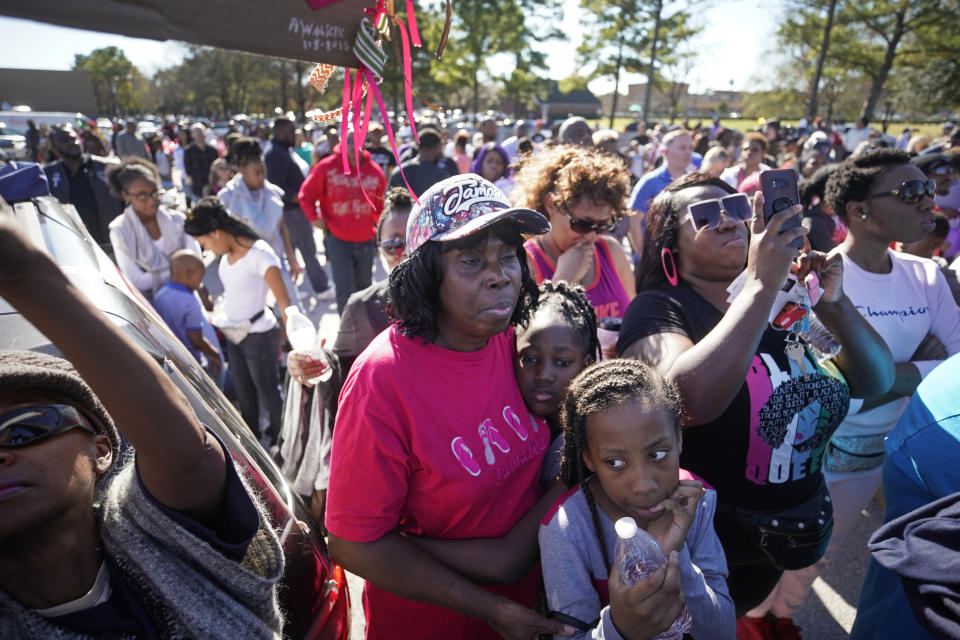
{"type": "Point", "coordinates": [210, 215]}
{"type": "Point", "coordinates": [570, 302]}
{"type": "Point", "coordinates": [854, 178]}
{"type": "Point", "coordinates": [598, 389]}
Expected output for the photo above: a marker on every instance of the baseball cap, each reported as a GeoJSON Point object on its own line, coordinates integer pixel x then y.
{"type": "Point", "coordinates": [462, 205]}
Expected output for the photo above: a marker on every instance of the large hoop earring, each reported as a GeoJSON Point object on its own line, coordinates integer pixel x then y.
{"type": "Point", "coordinates": [671, 272]}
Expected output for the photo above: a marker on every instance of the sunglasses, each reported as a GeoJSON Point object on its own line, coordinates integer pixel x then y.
{"type": "Point", "coordinates": [943, 170]}
{"type": "Point", "coordinates": [583, 226]}
{"type": "Point", "coordinates": [911, 191]}
{"type": "Point", "coordinates": [35, 423]}
{"type": "Point", "coordinates": [706, 213]}
{"type": "Point", "coordinates": [393, 245]}
{"type": "Point", "coordinates": [143, 197]}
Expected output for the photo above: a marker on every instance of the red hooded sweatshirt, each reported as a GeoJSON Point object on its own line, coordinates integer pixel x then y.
{"type": "Point", "coordinates": [330, 194]}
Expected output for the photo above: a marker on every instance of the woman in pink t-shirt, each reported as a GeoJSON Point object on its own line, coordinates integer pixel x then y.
{"type": "Point", "coordinates": [433, 444]}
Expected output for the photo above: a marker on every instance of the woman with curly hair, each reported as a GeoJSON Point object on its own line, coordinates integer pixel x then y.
{"type": "Point", "coordinates": [582, 192]}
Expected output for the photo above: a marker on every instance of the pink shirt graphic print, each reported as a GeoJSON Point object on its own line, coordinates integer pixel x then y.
{"type": "Point", "coordinates": [439, 443]}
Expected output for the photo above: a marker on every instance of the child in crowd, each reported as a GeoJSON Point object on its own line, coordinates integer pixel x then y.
{"type": "Point", "coordinates": [622, 430]}
{"type": "Point", "coordinates": [177, 303]}
{"type": "Point", "coordinates": [556, 344]}
{"type": "Point", "coordinates": [249, 270]}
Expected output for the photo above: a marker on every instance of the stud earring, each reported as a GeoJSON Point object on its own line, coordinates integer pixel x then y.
{"type": "Point", "coordinates": [863, 216]}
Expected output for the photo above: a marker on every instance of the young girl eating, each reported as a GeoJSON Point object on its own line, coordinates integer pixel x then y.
{"type": "Point", "coordinates": [622, 433]}
{"type": "Point", "coordinates": [556, 344]}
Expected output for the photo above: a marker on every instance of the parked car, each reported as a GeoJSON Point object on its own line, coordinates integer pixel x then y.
{"type": "Point", "coordinates": [314, 593]}
{"type": "Point", "coordinates": [18, 119]}
{"type": "Point", "coordinates": [13, 144]}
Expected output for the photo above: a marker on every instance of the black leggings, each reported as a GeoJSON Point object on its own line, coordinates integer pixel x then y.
{"type": "Point", "coordinates": [752, 575]}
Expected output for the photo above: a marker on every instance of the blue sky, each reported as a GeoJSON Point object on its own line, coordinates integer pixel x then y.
{"type": "Point", "coordinates": [734, 45]}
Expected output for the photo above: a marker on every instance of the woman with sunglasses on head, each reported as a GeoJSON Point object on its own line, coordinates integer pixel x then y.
{"type": "Point", "coordinates": [582, 192]}
{"type": "Point", "coordinates": [167, 544]}
{"type": "Point", "coordinates": [146, 234]}
{"type": "Point", "coordinates": [882, 199]}
{"type": "Point", "coordinates": [758, 406]}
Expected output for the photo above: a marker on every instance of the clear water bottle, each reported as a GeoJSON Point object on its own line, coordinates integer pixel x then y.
{"type": "Point", "coordinates": [303, 338]}
{"type": "Point", "coordinates": [637, 556]}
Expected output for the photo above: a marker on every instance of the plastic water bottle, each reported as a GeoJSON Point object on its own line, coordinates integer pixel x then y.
{"type": "Point", "coordinates": [303, 337]}
{"type": "Point", "coordinates": [637, 556]}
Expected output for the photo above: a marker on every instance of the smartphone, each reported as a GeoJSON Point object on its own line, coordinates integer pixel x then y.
{"type": "Point", "coordinates": [779, 187]}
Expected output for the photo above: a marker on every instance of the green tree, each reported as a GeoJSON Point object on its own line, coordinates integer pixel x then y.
{"type": "Point", "coordinates": [632, 36]}
{"type": "Point", "coordinates": [110, 72]}
{"type": "Point", "coordinates": [486, 36]}
{"type": "Point", "coordinates": [868, 39]}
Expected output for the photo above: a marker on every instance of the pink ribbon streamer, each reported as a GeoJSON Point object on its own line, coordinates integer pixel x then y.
{"type": "Point", "coordinates": [412, 21]}
{"type": "Point", "coordinates": [372, 88]}
{"type": "Point", "coordinates": [407, 85]}
{"type": "Point", "coordinates": [344, 121]}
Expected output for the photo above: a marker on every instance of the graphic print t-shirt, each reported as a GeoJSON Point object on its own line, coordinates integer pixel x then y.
{"type": "Point", "coordinates": [765, 450]}
{"type": "Point", "coordinates": [436, 443]}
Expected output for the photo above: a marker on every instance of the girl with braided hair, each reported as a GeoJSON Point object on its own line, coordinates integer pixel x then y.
{"type": "Point", "coordinates": [556, 344]}
{"type": "Point", "coordinates": [621, 458]}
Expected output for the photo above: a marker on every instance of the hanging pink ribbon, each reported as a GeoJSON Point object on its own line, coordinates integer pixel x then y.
{"type": "Point", "coordinates": [412, 21]}
{"type": "Point", "coordinates": [407, 85]}
{"type": "Point", "coordinates": [344, 124]}
{"type": "Point", "coordinates": [372, 88]}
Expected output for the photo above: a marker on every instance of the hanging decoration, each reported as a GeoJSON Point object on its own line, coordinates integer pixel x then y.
{"type": "Point", "coordinates": [361, 86]}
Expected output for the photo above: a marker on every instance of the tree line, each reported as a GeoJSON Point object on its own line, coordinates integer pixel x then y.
{"type": "Point", "coordinates": [841, 59]}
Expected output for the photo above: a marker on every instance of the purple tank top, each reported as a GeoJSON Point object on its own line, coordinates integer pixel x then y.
{"type": "Point", "coordinates": [605, 293]}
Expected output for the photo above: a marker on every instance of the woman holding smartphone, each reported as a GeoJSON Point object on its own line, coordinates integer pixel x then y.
{"type": "Point", "coordinates": [759, 406]}
{"type": "Point", "coordinates": [882, 199]}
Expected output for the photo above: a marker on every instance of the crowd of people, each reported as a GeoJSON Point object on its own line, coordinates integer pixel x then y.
{"type": "Point", "coordinates": [577, 326]}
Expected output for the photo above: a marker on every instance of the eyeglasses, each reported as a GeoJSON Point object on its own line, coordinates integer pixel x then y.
{"type": "Point", "coordinates": [147, 195]}
{"type": "Point", "coordinates": [911, 191]}
{"type": "Point", "coordinates": [583, 226]}
{"type": "Point", "coordinates": [33, 424]}
{"type": "Point", "coordinates": [706, 213]}
{"type": "Point", "coordinates": [393, 245]}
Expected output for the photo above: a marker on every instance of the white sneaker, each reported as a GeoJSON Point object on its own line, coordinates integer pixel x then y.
{"type": "Point", "coordinates": [327, 295]}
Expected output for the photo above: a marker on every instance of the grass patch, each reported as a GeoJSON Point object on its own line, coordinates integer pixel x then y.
{"type": "Point", "coordinates": [894, 129]}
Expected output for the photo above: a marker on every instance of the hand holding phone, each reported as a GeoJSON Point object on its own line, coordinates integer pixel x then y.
{"type": "Point", "coordinates": [779, 187]}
